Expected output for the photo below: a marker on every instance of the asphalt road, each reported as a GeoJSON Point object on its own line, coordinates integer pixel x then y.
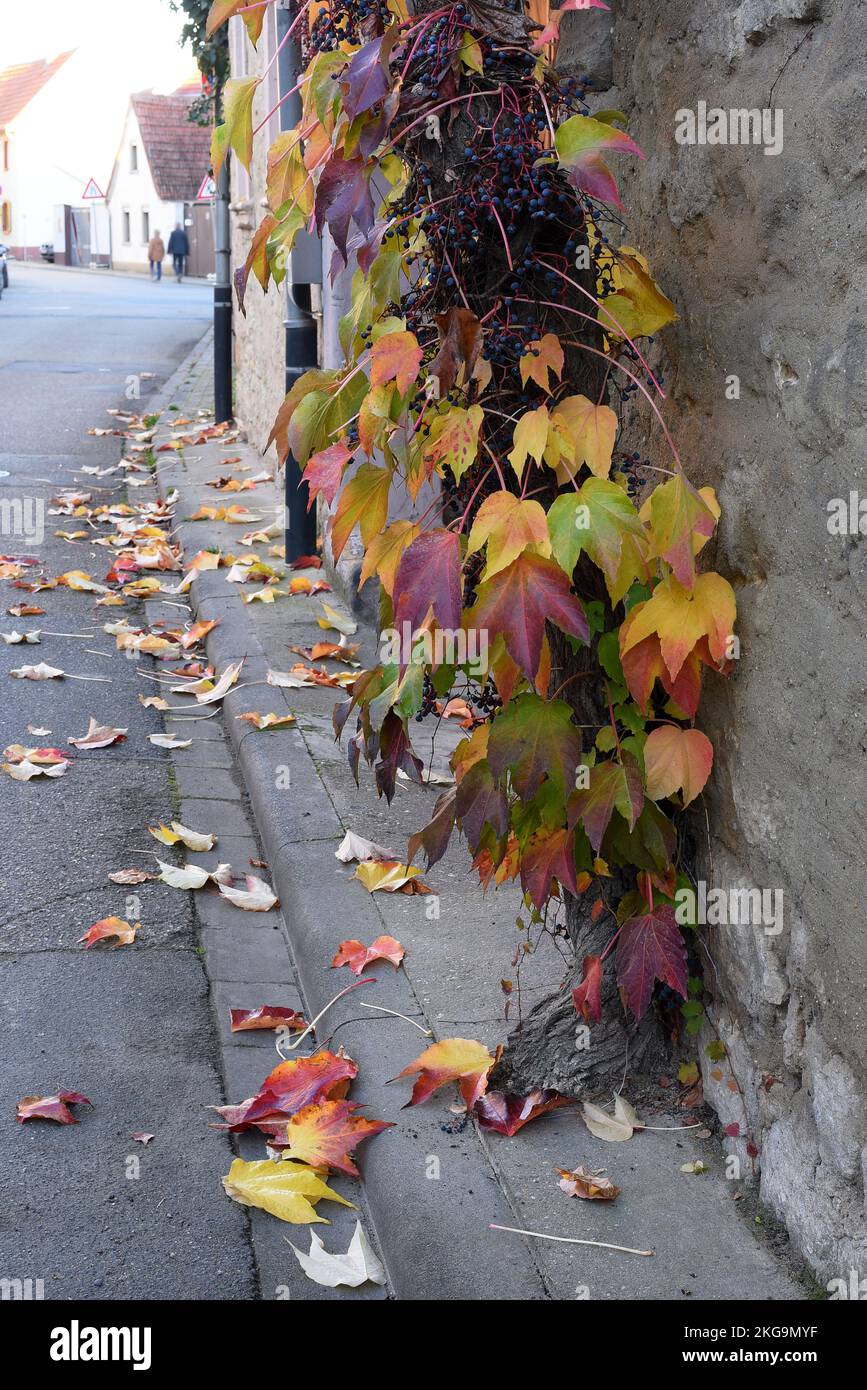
{"type": "Point", "coordinates": [83, 1208]}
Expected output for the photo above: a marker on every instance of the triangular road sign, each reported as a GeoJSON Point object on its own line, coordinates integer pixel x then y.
{"type": "Point", "coordinates": [207, 189]}
{"type": "Point", "coordinates": [92, 190]}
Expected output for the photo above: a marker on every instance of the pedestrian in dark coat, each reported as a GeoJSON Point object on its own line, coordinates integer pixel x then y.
{"type": "Point", "coordinates": [179, 249]}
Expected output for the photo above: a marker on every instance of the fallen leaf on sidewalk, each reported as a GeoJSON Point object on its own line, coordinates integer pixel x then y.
{"type": "Point", "coordinates": [168, 741]}
{"type": "Point", "coordinates": [325, 1134]}
{"type": "Point", "coordinates": [153, 702]}
{"type": "Point", "coordinates": [306, 562]}
{"type": "Point", "coordinates": [183, 876]}
{"type": "Point", "coordinates": [197, 632]}
{"type": "Point", "coordinates": [355, 847]}
{"type": "Point", "coordinates": [140, 1137]}
{"type": "Point", "coordinates": [37, 731]}
{"type": "Point", "coordinates": [224, 684]}
{"type": "Point", "coordinates": [267, 721]}
{"type": "Point", "coordinates": [13, 638]}
{"type": "Point", "coordinates": [99, 736]}
{"type": "Point", "coordinates": [329, 651]}
{"type": "Point", "coordinates": [290, 1087]}
{"type": "Point", "coordinates": [198, 840]}
{"type": "Point", "coordinates": [23, 763]}
{"type": "Point", "coordinates": [356, 1267]}
{"type": "Point", "coordinates": [108, 927]}
{"type": "Point", "coordinates": [302, 585]}
{"type": "Point", "coordinates": [696, 1167]}
{"type": "Point", "coordinates": [341, 622]}
{"type": "Point", "coordinates": [591, 1186]}
{"type": "Point", "coordinates": [42, 672]}
{"type": "Point", "coordinates": [25, 610]}
{"type": "Point", "coordinates": [613, 1128]}
{"type": "Point", "coordinates": [390, 876]}
{"type": "Point", "coordinates": [301, 676]}
{"type": "Point", "coordinates": [454, 1059]}
{"type": "Point", "coordinates": [266, 1016]}
{"type": "Point", "coordinates": [81, 583]}
{"type": "Point", "coordinates": [266, 595]}
{"type": "Point", "coordinates": [508, 1113]}
{"type": "Point", "coordinates": [357, 956]}
{"type": "Point", "coordinates": [132, 876]}
{"type": "Point", "coordinates": [257, 897]}
{"type": "Point", "coordinates": [287, 1190]}
{"type": "Point", "coordinates": [50, 1107]}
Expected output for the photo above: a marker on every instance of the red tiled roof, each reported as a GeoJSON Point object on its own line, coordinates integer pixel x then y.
{"type": "Point", "coordinates": [19, 84]}
{"type": "Point", "coordinates": [178, 151]}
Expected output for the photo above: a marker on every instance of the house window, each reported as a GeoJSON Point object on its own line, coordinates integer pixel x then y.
{"type": "Point", "coordinates": [145, 226]}
{"type": "Point", "coordinates": [126, 228]}
{"type": "Point", "coordinates": [133, 159]}
{"type": "Point", "coordinates": [6, 218]}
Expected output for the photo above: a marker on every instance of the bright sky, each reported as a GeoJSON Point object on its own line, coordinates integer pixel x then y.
{"type": "Point", "coordinates": [141, 37]}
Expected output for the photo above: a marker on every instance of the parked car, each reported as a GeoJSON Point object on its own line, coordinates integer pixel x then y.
{"type": "Point", "coordinates": [4, 268]}
{"type": "Point", "coordinates": [46, 251]}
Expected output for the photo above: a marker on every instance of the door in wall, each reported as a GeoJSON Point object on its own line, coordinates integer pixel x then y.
{"type": "Point", "coordinates": [199, 222]}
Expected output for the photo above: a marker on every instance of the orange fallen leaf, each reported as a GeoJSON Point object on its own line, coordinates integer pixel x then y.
{"type": "Point", "coordinates": [357, 956]}
{"type": "Point", "coordinates": [267, 721]}
{"type": "Point", "coordinates": [454, 1059]}
{"type": "Point", "coordinates": [290, 1087]}
{"type": "Point", "coordinates": [108, 927]}
{"type": "Point", "coordinates": [98, 736]}
{"type": "Point", "coordinates": [593, 1187]}
{"type": "Point", "coordinates": [390, 876]}
{"type": "Point", "coordinates": [266, 1016]}
{"type": "Point", "coordinates": [324, 1135]}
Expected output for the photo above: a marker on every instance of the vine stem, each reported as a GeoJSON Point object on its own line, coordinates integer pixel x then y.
{"type": "Point", "coordinates": [570, 1240]}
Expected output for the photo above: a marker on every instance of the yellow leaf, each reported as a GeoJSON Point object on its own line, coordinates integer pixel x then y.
{"type": "Point", "coordinates": [589, 432]}
{"type": "Point", "coordinates": [508, 526]}
{"type": "Point", "coordinates": [285, 1189]}
{"type": "Point", "coordinates": [530, 437]}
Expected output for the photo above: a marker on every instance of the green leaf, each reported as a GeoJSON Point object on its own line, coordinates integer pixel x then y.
{"type": "Point", "coordinates": [535, 738]}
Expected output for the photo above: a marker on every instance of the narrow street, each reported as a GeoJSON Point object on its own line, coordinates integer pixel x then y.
{"type": "Point", "coordinates": [88, 1210]}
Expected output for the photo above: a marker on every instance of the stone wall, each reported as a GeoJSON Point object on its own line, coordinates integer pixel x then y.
{"type": "Point", "coordinates": [764, 256]}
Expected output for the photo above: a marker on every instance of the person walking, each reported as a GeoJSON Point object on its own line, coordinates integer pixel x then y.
{"type": "Point", "coordinates": [156, 252]}
{"type": "Point", "coordinates": [179, 249]}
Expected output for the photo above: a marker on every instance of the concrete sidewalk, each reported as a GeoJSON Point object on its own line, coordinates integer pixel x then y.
{"type": "Point", "coordinates": [433, 1185]}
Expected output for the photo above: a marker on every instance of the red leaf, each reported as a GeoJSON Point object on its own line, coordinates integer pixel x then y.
{"type": "Point", "coordinates": [518, 601]}
{"type": "Point", "coordinates": [324, 473]}
{"type": "Point", "coordinates": [357, 956]}
{"type": "Point", "coordinates": [429, 578]}
{"type": "Point", "coordinates": [289, 1087]}
{"type": "Point", "coordinates": [649, 948]}
{"type": "Point", "coordinates": [266, 1016]}
{"type": "Point", "coordinates": [549, 855]}
{"type": "Point", "coordinates": [733, 1130]}
{"type": "Point", "coordinates": [343, 195]}
{"type": "Point", "coordinates": [507, 1113]}
{"type": "Point", "coordinates": [50, 1107]}
{"type": "Point", "coordinates": [480, 802]}
{"type": "Point", "coordinates": [460, 344]}
{"type": "Point", "coordinates": [366, 81]}
{"type": "Point", "coordinates": [587, 997]}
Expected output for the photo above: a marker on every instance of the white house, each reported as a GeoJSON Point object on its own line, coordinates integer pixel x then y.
{"type": "Point", "coordinates": [161, 163]}
{"type": "Point", "coordinates": [52, 143]}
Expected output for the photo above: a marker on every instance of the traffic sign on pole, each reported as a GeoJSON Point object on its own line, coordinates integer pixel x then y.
{"type": "Point", "coordinates": [92, 190]}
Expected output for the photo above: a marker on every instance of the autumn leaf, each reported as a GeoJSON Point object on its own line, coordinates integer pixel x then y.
{"type": "Point", "coordinates": [650, 947]}
{"type": "Point", "coordinates": [198, 840]}
{"type": "Point", "coordinates": [638, 307]}
{"type": "Point", "coordinates": [287, 1190]}
{"type": "Point", "coordinates": [593, 1187]}
{"type": "Point", "coordinates": [356, 1267]}
{"type": "Point", "coordinates": [454, 1059]}
{"type": "Point", "coordinates": [599, 519]}
{"type": "Point", "coordinates": [578, 142]}
{"type": "Point", "coordinates": [257, 262]}
{"type": "Point", "coordinates": [111, 927]}
{"type": "Point", "coordinates": [616, 1128]}
{"type": "Point", "coordinates": [395, 357]}
{"type": "Point", "coordinates": [324, 1134]}
{"type": "Point", "coordinates": [530, 437]}
{"type": "Point", "coordinates": [267, 1016]}
{"type": "Point", "coordinates": [196, 633]}
{"type": "Point", "coordinates": [429, 580]}
{"type": "Point", "coordinates": [534, 738]}
{"type": "Point", "coordinates": [324, 471]}
{"type": "Point", "coordinates": [681, 520]}
{"type": "Point", "coordinates": [236, 132]}
{"type": "Point", "coordinates": [222, 10]}
{"type": "Point", "coordinates": [290, 1087]}
{"type": "Point", "coordinates": [356, 847]}
{"type": "Point", "coordinates": [453, 440]}
{"type": "Point", "coordinates": [519, 600]}
{"type": "Point", "coordinates": [342, 196]}
{"type": "Point", "coordinates": [509, 1113]}
{"type": "Point", "coordinates": [612, 786]}
{"type": "Point", "coordinates": [271, 721]}
{"type": "Point", "coordinates": [681, 618]}
{"type": "Point", "coordinates": [169, 741]}
{"type": "Point", "coordinates": [50, 1107]}
{"type": "Point", "coordinates": [587, 997]}
{"type": "Point", "coordinates": [676, 759]}
{"type": "Point", "coordinates": [41, 672]}
{"type": "Point", "coordinates": [460, 334]}
{"type": "Point", "coordinates": [390, 876]}
{"type": "Point", "coordinates": [133, 876]}
{"type": "Point", "coordinates": [256, 896]}
{"type": "Point", "coordinates": [588, 432]}
{"type": "Point", "coordinates": [508, 526]}
{"type": "Point", "coordinates": [363, 503]}
{"type": "Point", "coordinates": [366, 81]}
{"type": "Point", "coordinates": [357, 956]}
{"type": "Point", "coordinates": [99, 736]}
{"type": "Point", "coordinates": [542, 356]}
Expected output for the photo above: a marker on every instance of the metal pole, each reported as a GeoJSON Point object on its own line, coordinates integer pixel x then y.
{"type": "Point", "coordinates": [222, 301]}
{"type": "Point", "coordinates": [299, 324]}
